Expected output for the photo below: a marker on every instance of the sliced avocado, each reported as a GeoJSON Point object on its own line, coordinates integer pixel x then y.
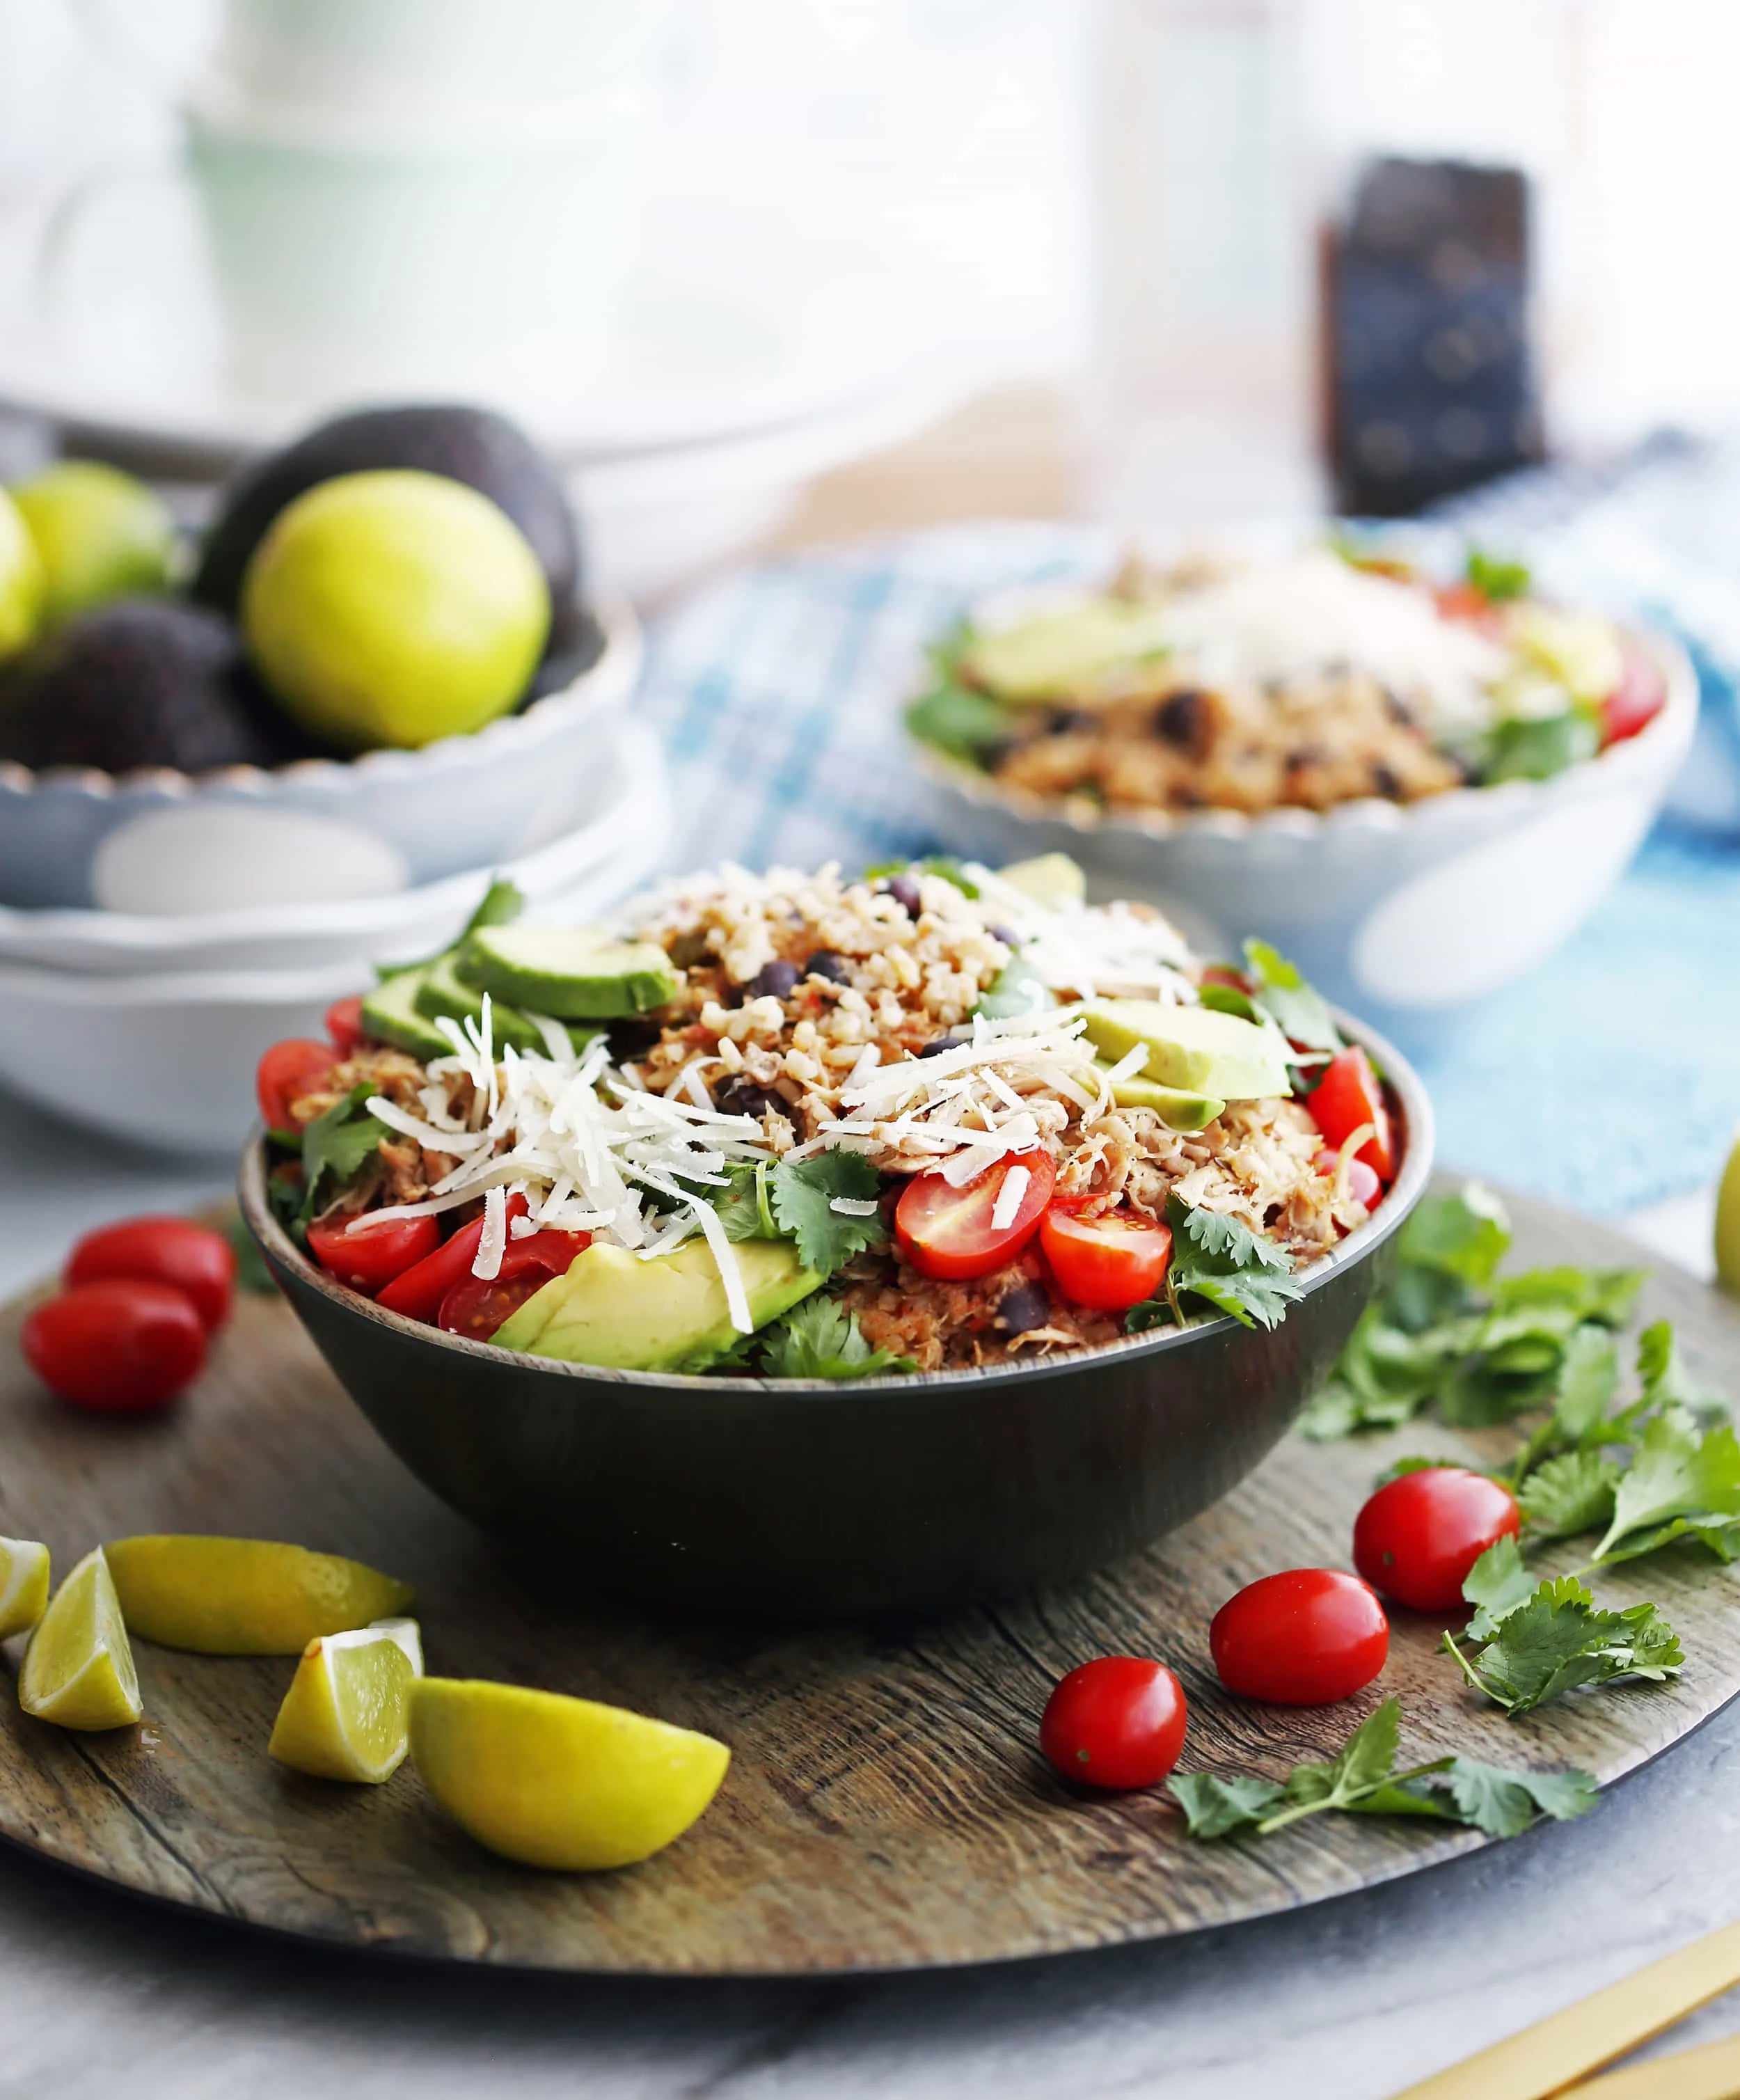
{"type": "Point", "coordinates": [1579, 649]}
{"type": "Point", "coordinates": [667, 1314]}
{"type": "Point", "coordinates": [575, 973]}
{"type": "Point", "coordinates": [1192, 1047]}
{"type": "Point", "coordinates": [1050, 879]}
{"type": "Point", "coordinates": [1177, 1109]}
{"type": "Point", "coordinates": [1070, 652]}
{"type": "Point", "coordinates": [441, 992]}
{"type": "Point", "coordinates": [390, 1014]}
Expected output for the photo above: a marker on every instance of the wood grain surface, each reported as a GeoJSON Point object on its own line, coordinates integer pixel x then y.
{"type": "Point", "coordinates": [886, 1806]}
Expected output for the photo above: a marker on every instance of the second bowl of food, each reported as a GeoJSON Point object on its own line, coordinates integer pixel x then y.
{"type": "Point", "coordinates": [1417, 775]}
{"type": "Point", "coordinates": [818, 1245]}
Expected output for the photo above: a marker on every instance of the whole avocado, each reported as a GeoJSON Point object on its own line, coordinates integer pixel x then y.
{"type": "Point", "coordinates": [140, 683]}
{"type": "Point", "coordinates": [481, 449]}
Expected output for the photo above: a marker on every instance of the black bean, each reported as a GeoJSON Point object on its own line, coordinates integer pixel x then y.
{"type": "Point", "coordinates": [1010, 938]}
{"type": "Point", "coordinates": [830, 964]}
{"type": "Point", "coordinates": [1182, 719]}
{"type": "Point", "coordinates": [904, 890]}
{"type": "Point", "coordinates": [688, 949]}
{"type": "Point", "coordinates": [1386, 781]}
{"type": "Point", "coordinates": [775, 980]}
{"type": "Point", "coordinates": [1070, 721]}
{"type": "Point", "coordinates": [632, 1039]}
{"type": "Point", "coordinates": [1022, 1309]}
{"type": "Point", "coordinates": [738, 1095]}
{"type": "Point", "coordinates": [936, 1046]}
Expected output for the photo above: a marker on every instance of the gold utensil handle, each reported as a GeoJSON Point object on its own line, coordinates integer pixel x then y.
{"type": "Point", "coordinates": [1710, 2073]}
{"type": "Point", "coordinates": [1554, 2055]}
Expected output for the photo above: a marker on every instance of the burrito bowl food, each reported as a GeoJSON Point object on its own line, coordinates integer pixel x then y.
{"type": "Point", "coordinates": [799, 1125]}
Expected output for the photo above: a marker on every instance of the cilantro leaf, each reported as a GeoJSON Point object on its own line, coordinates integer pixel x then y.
{"type": "Point", "coordinates": [1535, 748]}
{"type": "Point", "coordinates": [1235, 1270]}
{"type": "Point", "coordinates": [822, 1340]}
{"type": "Point", "coordinates": [959, 720]}
{"type": "Point", "coordinates": [1227, 999]}
{"type": "Point", "coordinates": [1279, 989]}
{"type": "Point", "coordinates": [743, 1205]}
{"type": "Point", "coordinates": [1466, 1236]}
{"type": "Point", "coordinates": [1661, 1370]}
{"type": "Point", "coordinates": [801, 1195]}
{"type": "Point", "coordinates": [1571, 1493]}
{"type": "Point", "coordinates": [1494, 577]}
{"type": "Point", "coordinates": [252, 1273]}
{"type": "Point", "coordinates": [1363, 1780]}
{"type": "Point", "coordinates": [1497, 1585]}
{"type": "Point", "coordinates": [1681, 1483]}
{"type": "Point", "coordinates": [1561, 1638]}
{"type": "Point", "coordinates": [337, 1144]}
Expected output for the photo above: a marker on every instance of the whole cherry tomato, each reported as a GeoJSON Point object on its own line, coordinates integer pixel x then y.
{"type": "Point", "coordinates": [1636, 701]}
{"type": "Point", "coordinates": [1418, 1537]}
{"type": "Point", "coordinates": [955, 1233]}
{"type": "Point", "coordinates": [478, 1306]}
{"type": "Point", "coordinates": [124, 1345]}
{"type": "Point", "coordinates": [1305, 1637]}
{"type": "Point", "coordinates": [288, 1070]}
{"type": "Point", "coordinates": [1348, 1094]}
{"type": "Point", "coordinates": [417, 1291]}
{"type": "Point", "coordinates": [1109, 1263]}
{"type": "Point", "coordinates": [373, 1256]}
{"type": "Point", "coordinates": [1117, 1722]}
{"type": "Point", "coordinates": [174, 1250]}
{"type": "Point", "coordinates": [344, 1024]}
{"type": "Point", "coordinates": [1363, 1184]}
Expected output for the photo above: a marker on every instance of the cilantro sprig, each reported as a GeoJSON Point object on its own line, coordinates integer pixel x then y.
{"type": "Point", "coordinates": [821, 1338]}
{"type": "Point", "coordinates": [1280, 992]}
{"type": "Point", "coordinates": [1225, 1264]}
{"type": "Point", "coordinates": [335, 1147]}
{"type": "Point", "coordinates": [780, 1199]}
{"type": "Point", "coordinates": [1362, 1779]}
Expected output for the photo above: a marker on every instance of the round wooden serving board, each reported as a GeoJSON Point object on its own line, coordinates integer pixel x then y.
{"type": "Point", "coordinates": [886, 1805]}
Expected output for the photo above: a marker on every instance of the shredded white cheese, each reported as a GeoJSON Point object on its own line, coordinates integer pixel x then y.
{"type": "Point", "coordinates": [1009, 1197]}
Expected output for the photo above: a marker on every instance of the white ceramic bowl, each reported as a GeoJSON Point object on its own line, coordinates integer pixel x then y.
{"type": "Point", "coordinates": [322, 829]}
{"type": "Point", "coordinates": [1400, 913]}
{"type": "Point", "coordinates": [627, 781]}
{"type": "Point", "coordinates": [167, 1059]}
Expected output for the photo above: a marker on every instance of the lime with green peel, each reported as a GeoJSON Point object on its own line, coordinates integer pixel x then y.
{"type": "Point", "coordinates": [394, 608]}
{"type": "Point", "coordinates": [244, 1596]}
{"type": "Point", "coordinates": [78, 1669]}
{"type": "Point", "coordinates": [100, 534]}
{"type": "Point", "coordinates": [1728, 1224]}
{"type": "Point", "coordinates": [23, 585]}
{"type": "Point", "coordinates": [345, 1713]}
{"type": "Point", "coordinates": [24, 1584]}
{"type": "Point", "coordinates": [556, 1782]}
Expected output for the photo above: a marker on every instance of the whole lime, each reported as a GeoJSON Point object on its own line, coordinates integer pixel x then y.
{"type": "Point", "coordinates": [394, 608]}
{"type": "Point", "coordinates": [21, 580]}
{"type": "Point", "coordinates": [100, 533]}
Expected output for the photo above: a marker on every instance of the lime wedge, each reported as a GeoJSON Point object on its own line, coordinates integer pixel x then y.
{"type": "Point", "coordinates": [244, 1596]}
{"type": "Point", "coordinates": [1728, 1224]}
{"type": "Point", "coordinates": [78, 1669]}
{"type": "Point", "coordinates": [24, 1584]}
{"type": "Point", "coordinates": [344, 1716]}
{"type": "Point", "coordinates": [558, 1782]}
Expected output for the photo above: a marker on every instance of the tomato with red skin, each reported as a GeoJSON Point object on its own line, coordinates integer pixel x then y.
{"type": "Point", "coordinates": [1416, 1538]}
{"type": "Point", "coordinates": [1350, 1094]}
{"type": "Point", "coordinates": [1116, 1722]}
{"type": "Point", "coordinates": [1306, 1637]}
{"type": "Point", "coordinates": [1108, 1263]}
{"type": "Point", "coordinates": [174, 1250]}
{"type": "Point", "coordinates": [287, 1072]}
{"type": "Point", "coordinates": [344, 1024]}
{"type": "Point", "coordinates": [1362, 1183]}
{"type": "Point", "coordinates": [373, 1256]}
{"type": "Point", "coordinates": [120, 1345]}
{"type": "Point", "coordinates": [949, 1233]}
{"type": "Point", "coordinates": [1468, 603]}
{"type": "Point", "coordinates": [417, 1291]}
{"type": "Point", "coordinates": [1638, 698]}
{"type": "Point", "coordinates": [478, 1305]}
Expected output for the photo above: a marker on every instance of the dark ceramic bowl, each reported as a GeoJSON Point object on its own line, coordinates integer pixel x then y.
{"type": "Point", "coordinates": [806, 1499]}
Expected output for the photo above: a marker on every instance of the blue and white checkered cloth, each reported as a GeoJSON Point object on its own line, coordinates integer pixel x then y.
{"type": "Point", "coordinates": [1610, 1079]}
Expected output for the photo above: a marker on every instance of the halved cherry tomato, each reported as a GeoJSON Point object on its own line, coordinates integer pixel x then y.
{"type": "Point", "coordinates": [1305, 1637]}
{"type": "Point", "coordinates": [1362, 1183]}
{"type": "Point", "coordinates": [1348, 1094]}
{"type": "Point", "coordinates": [374, 1255]}
{"type": "Point", "coordinates": [1108, 1263]}
{"type": "Point", "coordinates": [477, 1306]}
{"type": "Point", "coordinates": [1465, 602]}
{"type": "Point", "coordinates": [1418, 1537]}
{"type": "Point", "coordinates": [344, 1024]}
{"type": "Point", "coordinates": [288, 1070]}
{"type": "Point", "coordinates": [1638, 698]}
{"type": "Point", "coordinates": [419, 1291]}
{"type": "Point", "coordinates": [123, 1345]}
{"type": "Point", "coordinates": [951, 1233]}
{"type": "Point", "coordinates": [1117, 1722]}
{"type": "Point", "coordinates": [173, 1251]}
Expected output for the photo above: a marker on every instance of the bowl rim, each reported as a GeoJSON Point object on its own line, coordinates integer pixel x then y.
{"type": "Point", "coordinates": [608, 677]}
{"type": "Point", "coordinates": [1663, 739]}
{"type": "Point", "coordinates": [1409, 1186]}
